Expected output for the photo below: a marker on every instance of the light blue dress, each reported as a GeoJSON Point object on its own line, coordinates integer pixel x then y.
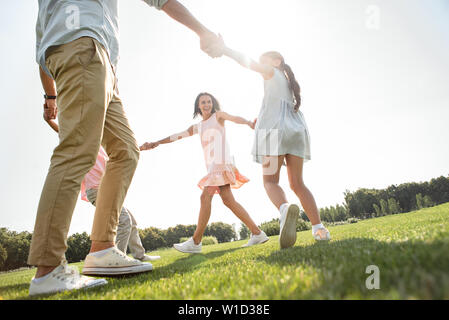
{"type": "Point", "coordinates": [279, 129]}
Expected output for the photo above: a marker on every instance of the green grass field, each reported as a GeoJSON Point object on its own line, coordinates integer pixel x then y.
{"type": "Point", "coordinates": [411, 251]}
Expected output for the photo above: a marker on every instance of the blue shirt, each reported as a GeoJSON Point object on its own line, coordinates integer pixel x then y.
{"type": "Point", "coordinates": [62, 21]}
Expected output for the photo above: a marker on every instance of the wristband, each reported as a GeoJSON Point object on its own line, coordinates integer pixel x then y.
{"type": "Point", "coordinates": [47, 97]}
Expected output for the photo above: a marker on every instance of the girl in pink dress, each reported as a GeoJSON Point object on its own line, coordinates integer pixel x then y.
{"type": "Point", "coordinates": [222, 175]}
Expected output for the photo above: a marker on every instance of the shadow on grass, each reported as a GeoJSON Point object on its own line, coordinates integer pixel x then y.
{"type": "Point", "coordinates": [16, 287]}
{"type": "Point", "coordinates": [407, 269]}
{"type": "Point", "coordinates": [180, 266]}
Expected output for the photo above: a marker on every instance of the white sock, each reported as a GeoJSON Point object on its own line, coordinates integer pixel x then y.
{"type": "Point", "coordinates": [283, 207]}
{"type": "Point", "coordinates": [101, 253]}
{"type": "Point", "coordinates": [316, 227]}
{"type": "Point", "coordinates": [41, 279]}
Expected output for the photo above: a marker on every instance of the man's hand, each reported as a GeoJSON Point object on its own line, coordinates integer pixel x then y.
{"type": "Point", "coordinates": [148, 146]}
{"type": "Point", "coordinates": [212, 44]}
{"type": "Point", "coordinates": [50, 109]}
{"type": "Point", "coordinates": [49, 86]}
{"type": "Point", "coordinates": [209, 42]}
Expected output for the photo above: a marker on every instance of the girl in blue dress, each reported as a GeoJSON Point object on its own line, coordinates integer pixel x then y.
{"type": "Point", "coordinates": [282, 137]}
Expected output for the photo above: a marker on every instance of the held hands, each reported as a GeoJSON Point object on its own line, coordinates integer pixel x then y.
{"type": "Point", "coordinates": [252, 125]}
{"type": "Point", "coordinates": [212, 44]}
{"type": "Point", "coordinates": [148, 146]}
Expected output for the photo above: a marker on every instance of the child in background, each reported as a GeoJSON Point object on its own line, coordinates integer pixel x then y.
{"type": "Point", "coordinates": [282, 135]}
{"type": "Point", "coordinates": [222, 173]}
{"type": "Point", "coordinates": [127, 232]}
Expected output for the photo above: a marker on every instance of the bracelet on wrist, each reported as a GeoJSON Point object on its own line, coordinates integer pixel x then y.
{"type": "Point", "coordinates": [47, 97]}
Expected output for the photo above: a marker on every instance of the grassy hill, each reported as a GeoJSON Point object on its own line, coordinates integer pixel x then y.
{"type": "Point", "coordinates": [411, 251]}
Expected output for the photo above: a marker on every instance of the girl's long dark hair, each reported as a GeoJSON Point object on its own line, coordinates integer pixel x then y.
{"type": "Point", "coordinates": [293, 83]}
{"type": "Point", "coordinates": [215, 104]}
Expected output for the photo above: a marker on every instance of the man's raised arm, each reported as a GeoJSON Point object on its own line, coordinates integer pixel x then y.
{"type": "Point", "coordinates": [209, 41]}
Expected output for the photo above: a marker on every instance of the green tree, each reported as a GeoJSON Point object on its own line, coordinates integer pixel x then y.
{"type": "Point", "coordinates": [271, 228]}
{"type": "Point", "coordinates": [78, 247]}
{"type": "Point", "coordinates": [244, 231]}
{"type": "Point", "coordinates": [302, 225]}
{"type": "Point", "coordinates": [393, 206]}
{"type": "Point", "coordinates": [427, 202]}
{"type": "Point", "coordinates": [174, 234]}
{"type": "Point", "coordinates": [439, 189]}
{"type": "Point", "coordinates": [152, 239]}
{"type": "Point", "coordinates": [333, 213]}
{"type": "Point", "coordinates": [361, 202]}
{"type": "Point", "coordinates": [326, 215]}
{"type": "Point", "coordinates": [342, 213]}
{"type": "Point", "coordinates": [3, 256]}
{"type": "Point", "coordinates": [419, 201]}
{"type": "Point", "coordinates": [303, 215]}
{"type": "Point", "coordinates": [384, 207]}
{"type": "Point", "coordinates": [222, 231]}
{"type": "Point", "coordinates": [17, 246]}
{"type": "Point", "coordinates": [378, 210]}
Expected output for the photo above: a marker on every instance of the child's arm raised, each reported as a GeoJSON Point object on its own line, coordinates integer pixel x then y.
{"type": "Point", "coordinates": [222, 116]}
{"type": "Point", "coordinates": [265, 70]}
{"type": "Point", "coordinates": [175, 137]}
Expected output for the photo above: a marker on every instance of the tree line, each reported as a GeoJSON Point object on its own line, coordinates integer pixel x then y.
{"type": "Point", "coordinates": [406, 197]}
{"type": "Point", "coordinates": [361, 204]}
{"type": "Point", "coordinates": [14, 246]}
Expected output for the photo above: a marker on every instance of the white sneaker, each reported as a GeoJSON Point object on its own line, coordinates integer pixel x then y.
{"type": "Point", "coordinates": [322, 234]}
{"type": "Point", "coordinates": [289, 217]}
{"type": "Point", "coordinates": [149, 258]}
{"type": "Point", "coordinates": [188, 247]}
{"type": "Point", "coordinates": [256, 239]}
{"type": "Point", "coordinates": [113, 262]}
{"type": "Point", "coordinates": [63, 278]}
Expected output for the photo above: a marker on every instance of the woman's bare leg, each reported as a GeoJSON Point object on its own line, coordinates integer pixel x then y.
{"type": "Point", "coordinates": [229, 201]}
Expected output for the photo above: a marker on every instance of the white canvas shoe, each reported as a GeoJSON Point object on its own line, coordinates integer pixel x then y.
{"type": "Point", "coordinates": [287, 234]}
{"type": "Point", "coordinates": [63, 278]}
{"type": "Point", "coordinates": [322, 234]}
{"type": "Point", "coordinates": [113, 262]}
{"type": "Point", "coordinates": [256, 239]}
{"type": "Point", "coordinates": [188, 247]}
{"type": "Point", "coordinates": [150, 258]}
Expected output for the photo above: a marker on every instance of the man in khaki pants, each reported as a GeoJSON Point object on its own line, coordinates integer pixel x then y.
{"type": "Point", "coordinates": [77, 50]}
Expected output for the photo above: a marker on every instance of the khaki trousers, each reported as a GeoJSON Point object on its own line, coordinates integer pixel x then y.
{"type": "Point", "coordinates": [127, 232]}
{"type": "Point", "coordinates": [90, 113]}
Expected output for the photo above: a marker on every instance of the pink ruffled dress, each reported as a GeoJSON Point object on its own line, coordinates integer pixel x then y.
{"type": "Point", "coordinates": [220, 165]}
{"type": "Point", "coordinates": [92, 179]}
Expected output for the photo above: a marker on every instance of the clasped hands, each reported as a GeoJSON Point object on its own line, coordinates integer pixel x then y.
{"type": "Point", "coordinates": [212, 44]}
{"type": "Point", "coordinates": [148, 146]}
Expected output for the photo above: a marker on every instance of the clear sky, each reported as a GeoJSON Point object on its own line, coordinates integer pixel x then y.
{"type": "Point", "coordinates": [375, 85]}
